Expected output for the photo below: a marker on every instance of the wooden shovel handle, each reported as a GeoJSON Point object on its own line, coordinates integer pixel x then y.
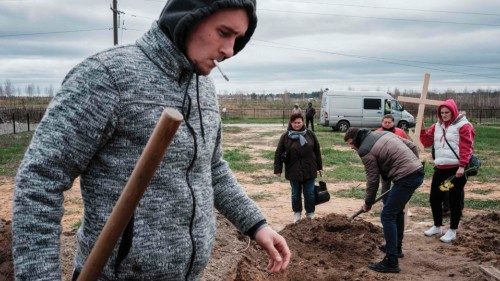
{"type": "Point", "coordinates": [137, 184]}
{"type": "Point", "coordinates": [376, 200]}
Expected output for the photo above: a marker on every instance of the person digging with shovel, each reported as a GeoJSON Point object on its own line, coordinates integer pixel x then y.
{"type": "Point", "coordinates": [395, 160]}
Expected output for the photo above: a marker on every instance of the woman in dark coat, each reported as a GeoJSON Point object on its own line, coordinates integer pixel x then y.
{"type": "Point", "coordinates": [299, 149]}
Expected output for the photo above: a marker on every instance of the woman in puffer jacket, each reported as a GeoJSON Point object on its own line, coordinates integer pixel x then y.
{"type": "Point", "coordinates": [453, 139]}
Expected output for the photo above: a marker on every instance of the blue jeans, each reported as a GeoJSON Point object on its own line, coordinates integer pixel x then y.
{"type": "Point", "coordinates": [394, 204]}
{"type": "Point", "coordinates": [306, 187]}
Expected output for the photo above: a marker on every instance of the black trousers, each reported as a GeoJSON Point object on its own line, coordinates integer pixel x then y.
{"type": "Point", "coordinates": [456, 197]}
{"type": "Point", "coordinates": [310, 120]}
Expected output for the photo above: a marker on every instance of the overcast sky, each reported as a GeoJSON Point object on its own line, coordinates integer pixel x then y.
{"type": "Point", "coordinates": [298, 45]}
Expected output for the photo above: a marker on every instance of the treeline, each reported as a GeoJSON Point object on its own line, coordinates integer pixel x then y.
{"type": "Point", "coordinates": [8, 89]}
{"type": "Point", "coordinates": [484, 99]}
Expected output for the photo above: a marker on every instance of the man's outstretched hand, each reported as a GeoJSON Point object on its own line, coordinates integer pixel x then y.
{"type": "Point", "coordinates": [275, 247]}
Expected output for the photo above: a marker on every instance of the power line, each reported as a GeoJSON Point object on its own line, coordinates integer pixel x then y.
{"type": "Point", "coordinates": [385, 60]}
{"type": "Point", "coordinates": [53, 32]}
{"type": "Point", "coordinates": [394, 8]}
{"type": "Point", "coordinates": [138, 16]}
{"type": "Point", "coordinates": [380, 7]}
{"type": "Point", "coordinates": [381, 18]}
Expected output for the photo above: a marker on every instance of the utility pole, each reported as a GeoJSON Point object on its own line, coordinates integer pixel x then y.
{"type": "Point", "coordinates": [115, 21]}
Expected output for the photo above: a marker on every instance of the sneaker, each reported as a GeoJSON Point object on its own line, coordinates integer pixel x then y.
{"type": "Point", "coordinates": [400, 251]}
{"type": "Point", "coordinates": [310, 215]}
{"type": "Point", "coordinates": [450, 235]}
{"type": "Point", "coordinates": [433, 231]}
{"type": "Point", "coordinates": [296, 217]}
{"type": "Point", "coordinates": [387, 265]}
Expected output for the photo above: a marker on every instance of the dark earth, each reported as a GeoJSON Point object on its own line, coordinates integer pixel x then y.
{"type": "Point", "coordinates": [328, 248]}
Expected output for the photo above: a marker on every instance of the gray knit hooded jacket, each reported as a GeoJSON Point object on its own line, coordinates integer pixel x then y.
{"type": "Point", "coordinates": [97, 126]}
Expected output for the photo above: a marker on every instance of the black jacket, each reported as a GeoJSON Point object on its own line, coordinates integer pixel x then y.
{"type": "Point", "coordinates": [301, 162]}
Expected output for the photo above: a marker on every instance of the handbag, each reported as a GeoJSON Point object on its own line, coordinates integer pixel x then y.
{"type": "Point", "coordinates": [474, 163]}
{"type": "Point", "coordinates": [321, 194]}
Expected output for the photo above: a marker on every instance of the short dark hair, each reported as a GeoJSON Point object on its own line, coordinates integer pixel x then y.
{"type": "Point", "coordinates": [388, 116]}
{"type": "Point", "coordinates": [296, 116]}
{"type": "Point", "coordinates": [350, 134]}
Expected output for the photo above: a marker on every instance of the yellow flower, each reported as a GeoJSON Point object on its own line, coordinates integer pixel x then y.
{"type": "Point", "coordinates": [446, 185]}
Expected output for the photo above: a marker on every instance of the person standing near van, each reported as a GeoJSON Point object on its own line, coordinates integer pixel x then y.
{"type": "Point", "coordinates": [299, 149]}
{"type": "Point", "coordinates": [388, 125]}
{"type": "Point", "coordinates": [310, 112]}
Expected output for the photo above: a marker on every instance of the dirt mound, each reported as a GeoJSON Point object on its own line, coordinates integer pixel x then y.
{"type": "Point", "coordinates": [6, 267]}
{"type": "Point", "coordinates": [328, 248]}
{"type": "Point", "coordinates": [481, 236]}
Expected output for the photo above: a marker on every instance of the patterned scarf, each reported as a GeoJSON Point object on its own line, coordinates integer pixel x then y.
{"type": "Point", "coordinates": [298, 135]}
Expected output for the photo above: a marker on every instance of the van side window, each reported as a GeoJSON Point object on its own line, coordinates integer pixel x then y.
{"type": "Point", "coordinates": [372, 104]}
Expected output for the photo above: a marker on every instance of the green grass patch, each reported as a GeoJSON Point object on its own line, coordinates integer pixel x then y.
{"type": "Point", "coordinates": [421, 199]}
{"type": "Point", "coordinates": [481, 191]}
{"type": "Point", "coordinates": [12, 148]}
{"type": "Point", "coordinates": [232, 129]}
{"type": "Point", "coordinates": [246, 120]}
{"type": "Point", "coordinates": [261, 196]}
{"type": "Point", "coordinates": [237, 158]}
{"type": "Point", "coordinates": [346, 173]}
{"type": "Point", "coordinates": [353, 192]}
{"type": "Point", "coordinates": [268, 154]}
{"type": "Point", "coordinates": [478, 204]}
{"type": "Point", "coordinates": [429, 170]}
{"type": "Point", "coordinates": [327, 137]}
{"type": "Point", "coordinates": [275, 134]}
{"type": "Point", "coordinates": [332, 156]}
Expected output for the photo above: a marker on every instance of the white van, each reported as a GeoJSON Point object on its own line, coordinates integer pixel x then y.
{"type": "Point", "coordinates": [343, 109]}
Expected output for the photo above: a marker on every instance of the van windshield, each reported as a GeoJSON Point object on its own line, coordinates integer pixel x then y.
{"type": "Point", "coordinates": [395, 105]}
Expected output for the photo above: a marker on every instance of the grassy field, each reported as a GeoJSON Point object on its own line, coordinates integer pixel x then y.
{"type": "Point", "coordinates": [340, 164]}
{"type": "Point", "coordinates": [12, 148]}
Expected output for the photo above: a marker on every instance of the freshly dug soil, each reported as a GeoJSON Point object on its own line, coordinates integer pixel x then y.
{"type": "Point", "coordinates": [481, 236]}
{"type": "Point", "coordinates": [6, 267]}
{"type": "Point", "coordinates": [328, 248]}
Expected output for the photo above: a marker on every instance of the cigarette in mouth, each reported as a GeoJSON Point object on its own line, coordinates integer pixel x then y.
{"type": "Point", "coordinates": [221, 72]}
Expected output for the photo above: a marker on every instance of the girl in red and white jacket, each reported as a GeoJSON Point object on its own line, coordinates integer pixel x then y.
{"type": "Point", "coordinates": [458, 131]}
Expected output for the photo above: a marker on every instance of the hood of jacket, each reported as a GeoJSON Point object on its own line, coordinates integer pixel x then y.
{"type": "Point", "coordinates": [163, 53]}
{"type": "Point", "coordinates": [360, 137]}
{"type": "Point", "coordinates": [452, 106]}
{"type": "Point", "coordinates": [180, 16]}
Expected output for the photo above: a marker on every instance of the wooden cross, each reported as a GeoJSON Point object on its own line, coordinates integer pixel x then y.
{"type": "Point", "coordinates": [422, 101]}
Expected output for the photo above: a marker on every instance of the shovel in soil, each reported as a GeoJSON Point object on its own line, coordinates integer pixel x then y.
{"type": "Point", "coordinates": [376, 200]}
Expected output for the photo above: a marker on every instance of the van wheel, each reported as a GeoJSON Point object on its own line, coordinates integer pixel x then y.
{"type": "Point", "coordinates": [403, 125]}
{"type": "Point", "coordinates": [343, 126]}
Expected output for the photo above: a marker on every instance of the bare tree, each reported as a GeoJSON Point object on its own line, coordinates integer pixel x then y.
{"type": "Point", "coordinates": [49, 91]}
{"type": "Point", "coordinates": [8, 88]}
{"type": "Point", "coordinates": [30, 90]}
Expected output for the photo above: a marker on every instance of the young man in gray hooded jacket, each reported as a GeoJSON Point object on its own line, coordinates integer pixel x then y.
{"type": "Point", "coordinates": [96, 128]}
